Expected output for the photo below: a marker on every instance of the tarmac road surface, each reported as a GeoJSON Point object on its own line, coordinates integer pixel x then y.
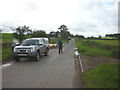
{"type": "Point", "coordinates": [52, 71]}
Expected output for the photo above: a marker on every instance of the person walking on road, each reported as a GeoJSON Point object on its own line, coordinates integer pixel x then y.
{"type": "Point", "coordinates": [60, 43]}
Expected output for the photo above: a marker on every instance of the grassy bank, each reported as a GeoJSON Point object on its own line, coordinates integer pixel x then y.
{"type": "Point", "coordinates": [102, 48]}
{"type": "Point", "coordinates": [6, 53]}
{"type": "Point", "coordinates": [103, 76]}
{"type": "Point", "coordinates": [7, 37]}
{"type": "Point", "coordinates": [6, 49]}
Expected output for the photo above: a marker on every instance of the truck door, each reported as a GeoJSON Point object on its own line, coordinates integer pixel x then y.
{"type": "Point", "coordinates": [41, 46]}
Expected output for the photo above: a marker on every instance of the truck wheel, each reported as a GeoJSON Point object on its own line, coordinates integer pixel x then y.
{"type": "Point", "coordinates": [46, 52]}
{"type": "Point", "coordinates": [17, 59]}
{"type": "Point", "coordinates": [37, 56]}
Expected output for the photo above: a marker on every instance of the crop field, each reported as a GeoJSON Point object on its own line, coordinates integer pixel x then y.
{"type": "Point", "coordinates": [102, 48]}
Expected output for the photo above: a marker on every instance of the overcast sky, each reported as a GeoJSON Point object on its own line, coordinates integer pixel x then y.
{"type": "Point", "coordinates": [83, 17]}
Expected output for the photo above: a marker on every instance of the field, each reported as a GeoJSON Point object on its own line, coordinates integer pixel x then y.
{"type": "Point", "coordinates": [103, 76]}
{"type": "Point", "coordinates": [101, 48]}
{"type": "Point", "coordinates": [109, 38]}
{"type": "Point", "coordinates": [108, 42]}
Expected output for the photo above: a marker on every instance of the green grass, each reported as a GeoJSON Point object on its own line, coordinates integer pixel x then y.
{"type": "Point", "coordinates": [53, 41]}
{"type": "Point", "coordinates": [109, 38]}
{"type": "Point", "coordinates": [6, 53]}
{"type": "Point", "coordinates": [108, 42]}
{"type": "Point", "coordinates": [7, 37]}
{"type": "Point", "coordinates": [103, 76]}
{"type": "Point", "coordinates": [64, 41]}
{"type": "Point", "coordinates": [94, 48]}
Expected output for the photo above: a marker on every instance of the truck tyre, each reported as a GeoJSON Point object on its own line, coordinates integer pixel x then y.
{"type": "Point", "coordinates": [38, 56]}
{"type": "Point", "coordinates": [46, 52]}
{"type": "Point", "coordinates": [17, 59]}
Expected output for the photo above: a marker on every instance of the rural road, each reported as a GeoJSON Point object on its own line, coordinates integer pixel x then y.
{"type": "Point", "coordinates": [52, 71]}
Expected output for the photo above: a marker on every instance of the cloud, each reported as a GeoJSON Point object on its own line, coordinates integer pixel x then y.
{"type": "Point", "coordinates": [31, 6]}
{"type": "Point", "coordinates": [7, 27]}
{"type": "Point", "coordinates": [87, 17]}
{"type": "Point", "coordinates": [98, 17]}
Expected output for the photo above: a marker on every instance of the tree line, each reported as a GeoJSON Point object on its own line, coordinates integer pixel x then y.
{"type": "Point", "coordinates": [113, 35]}
{"type": "Point", "coordinates": [23, 32]}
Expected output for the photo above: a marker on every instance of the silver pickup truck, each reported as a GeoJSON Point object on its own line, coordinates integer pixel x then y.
{"type": "Point", "coordinates": [32, 47]}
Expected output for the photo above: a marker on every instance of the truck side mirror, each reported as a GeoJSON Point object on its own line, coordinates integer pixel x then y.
{"type": "Point", "coordinates": [15, 43]}
{"type": "Point", "coordinates": [40, 44]}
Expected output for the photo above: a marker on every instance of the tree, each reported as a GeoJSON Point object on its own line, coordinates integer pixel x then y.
{"type": "Point", "coordinates": [20, 32]}
{"type": "Point", "coordinates": [63, 27]}
{"type": "Point", "coordinates": [64, 32]}
{"type": "Point", "coordinates": [39, 33]}
{"type": "Point", "coordinates": [52, 34]}
{"type": "Point", "coordinates": [29, 32]}
{"type": "Point", "coordinates": [57, 33]}
{"type": "Point", "coordinates": [72, 35]}
{"type": "Point", "coordinates": [80, 36]}
{"type": "Point", "coordinates": [100, 36]}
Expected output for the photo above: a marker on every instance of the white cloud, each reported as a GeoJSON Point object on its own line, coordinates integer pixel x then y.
{"type": "Point", "coordinates": [86, 17]}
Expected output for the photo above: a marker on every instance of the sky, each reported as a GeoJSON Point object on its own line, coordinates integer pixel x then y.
{"type": "Point", "coordinates": [83, 17]}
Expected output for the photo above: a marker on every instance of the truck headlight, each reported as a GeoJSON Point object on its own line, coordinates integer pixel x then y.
{"type": "Point", "coordinates": [32, 49]}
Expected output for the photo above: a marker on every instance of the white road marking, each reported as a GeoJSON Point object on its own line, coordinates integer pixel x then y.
{"type": "Point", "coordinates": [6, 65]}
{"type": "Point", "coordinates": [81, 64]}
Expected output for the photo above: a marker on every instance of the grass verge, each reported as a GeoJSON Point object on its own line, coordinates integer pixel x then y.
{"type": "Point", "coordinates": [6, 49]}
{"type": "Point", "coordinates": [103, 76]}
{"type": "Point", "coordinates": [6, 53]}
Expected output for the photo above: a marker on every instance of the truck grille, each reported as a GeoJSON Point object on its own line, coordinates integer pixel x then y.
{"type": "Point", "coordinates": [23, 51]}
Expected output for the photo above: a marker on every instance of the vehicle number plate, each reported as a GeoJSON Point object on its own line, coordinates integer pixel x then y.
{"type": "Point", "coordinates": [22, 54]}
